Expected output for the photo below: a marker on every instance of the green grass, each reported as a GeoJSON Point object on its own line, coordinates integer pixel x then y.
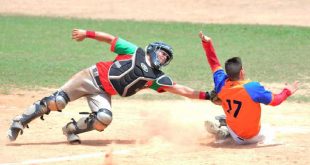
{"type": "Point", "coordinates": [39, 52]}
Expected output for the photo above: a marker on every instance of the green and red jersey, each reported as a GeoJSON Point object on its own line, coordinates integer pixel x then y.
{"type": "Point", "coordinates": [124, 51]}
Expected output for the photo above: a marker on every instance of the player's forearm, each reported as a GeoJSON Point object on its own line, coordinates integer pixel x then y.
{"type": "Point", "coordinates": [188, 92]}
{"type": "Point", "coordinates": [100, 36]}
{"type": "Point", "coordinates": [211, 55]}
{"type": "Point", "coordinates": [201, 95]}
{"type": "Point", "coordinates": [182, 91]}
{"type": "Point", "coordinates": [279, 98]}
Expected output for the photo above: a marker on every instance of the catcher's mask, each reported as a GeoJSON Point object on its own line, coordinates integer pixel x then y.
{"type": "Point", "coordinates": [153, 48]}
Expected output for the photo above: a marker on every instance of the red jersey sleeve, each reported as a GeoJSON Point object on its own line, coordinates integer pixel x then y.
{"type": "Point", "coordinates": [279, 98]}
{"type": "Point", "coordinates": [211, 55]}
{"type": "Point", "coordinates": [113, 43]}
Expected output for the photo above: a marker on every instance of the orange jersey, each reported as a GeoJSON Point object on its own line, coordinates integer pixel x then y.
{"type": "Point", "coordinates": [241, 104]}
{"type": "Point", "coordinates": [240, 99]}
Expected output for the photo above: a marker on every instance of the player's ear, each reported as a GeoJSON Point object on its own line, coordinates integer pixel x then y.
{"type": "Point", "coordinates": [242, 74]}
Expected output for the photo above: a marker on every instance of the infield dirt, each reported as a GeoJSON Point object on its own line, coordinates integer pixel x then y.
{"type": "Point", "coordinates": [166, 132]}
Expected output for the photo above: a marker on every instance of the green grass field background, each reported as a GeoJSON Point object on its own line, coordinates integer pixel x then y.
{"type": "Point", "coordinates": [39, 52]}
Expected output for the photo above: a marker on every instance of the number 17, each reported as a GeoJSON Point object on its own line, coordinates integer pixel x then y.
{"type": "Point", "coordinates": [239, 103]}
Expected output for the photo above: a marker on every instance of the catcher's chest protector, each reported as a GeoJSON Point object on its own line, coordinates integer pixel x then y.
{"type": "Point", "coordinates": [129, 76]}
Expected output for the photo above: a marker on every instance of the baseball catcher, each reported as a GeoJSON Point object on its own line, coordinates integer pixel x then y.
{"type": "Point", "coordinates": [132, 70]}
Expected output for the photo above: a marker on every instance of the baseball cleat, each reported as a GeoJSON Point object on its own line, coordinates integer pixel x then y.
{"type": "Point", "coordinates": [222, 120]}
{"type": "Point", "coordinates": [215, 129]}
{"type": "Point", "coordinates": [71, 137]}
{"type": "Point", "coordinates": [15, 128]}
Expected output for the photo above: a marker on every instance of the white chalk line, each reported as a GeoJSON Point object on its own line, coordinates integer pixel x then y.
{"type": "Point", "coordinates": [68, 158]}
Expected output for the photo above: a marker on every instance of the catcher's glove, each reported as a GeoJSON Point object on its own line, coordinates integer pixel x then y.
{"type": "Point", "coordinates": [213, 97]}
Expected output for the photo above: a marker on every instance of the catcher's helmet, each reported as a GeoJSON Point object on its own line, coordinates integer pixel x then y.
{"type": "Point", "coordinates": [152, 50]}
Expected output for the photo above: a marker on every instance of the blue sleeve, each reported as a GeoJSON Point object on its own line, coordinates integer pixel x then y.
{"type": "Point", "coordinates": [219, 78]}
{"type": "Point", "coordinates": [258, 92]}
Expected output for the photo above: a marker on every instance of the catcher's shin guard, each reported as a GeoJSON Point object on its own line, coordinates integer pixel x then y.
{"type": "Point", "coordinates": [73, 128]}
{"type": "Point", "coordinates": [20, 122]}
{"type": "Point", "coordinates": [95, 121]}
{"type": "Point", "coordinates": [55, 102]}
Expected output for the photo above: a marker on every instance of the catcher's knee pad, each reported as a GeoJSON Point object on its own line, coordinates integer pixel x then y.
{"type": "Point", "coordinates": [103, 118]}
{"type": "Point", "coordinates": [57, 101]}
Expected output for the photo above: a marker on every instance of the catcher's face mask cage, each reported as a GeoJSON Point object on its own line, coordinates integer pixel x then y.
{"type": "Point", "coordinates": [154, 48]}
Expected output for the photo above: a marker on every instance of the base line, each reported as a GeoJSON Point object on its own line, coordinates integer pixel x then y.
{"type": "Point", "coordinates": [66, 158]}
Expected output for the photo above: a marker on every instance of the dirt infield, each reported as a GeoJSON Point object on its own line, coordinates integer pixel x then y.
{"type": "Point", "coordinates": [166, 132]}
{"type": "Point", "coordinates": [276, 12]}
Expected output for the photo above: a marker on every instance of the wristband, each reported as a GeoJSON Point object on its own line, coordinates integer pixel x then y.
{"type": "Point", "coordinates": [90, 34]}
{"type": "Point", "coordinates": [204, 95]}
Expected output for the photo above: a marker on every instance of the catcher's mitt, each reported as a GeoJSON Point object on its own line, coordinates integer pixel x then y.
{"type": "Point", "coordinates": [213, 97]}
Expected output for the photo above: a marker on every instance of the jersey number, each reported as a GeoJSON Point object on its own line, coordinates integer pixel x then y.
{"type": "Point", "coordinates": [239, 104]}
